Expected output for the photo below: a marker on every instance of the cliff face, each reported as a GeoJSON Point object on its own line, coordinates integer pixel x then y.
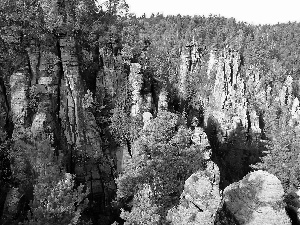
{"type": "Point", "coordinates": [49, 99]}
{"type": "Point", "coordinates": [19, 84]}
{"type": "Point", "coordinates": [51, 96]}
{"type": "Point", "coordinates": [227, 103]}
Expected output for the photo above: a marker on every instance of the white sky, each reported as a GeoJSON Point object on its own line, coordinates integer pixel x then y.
{"type": "Point", "coordinates": [250, 11]}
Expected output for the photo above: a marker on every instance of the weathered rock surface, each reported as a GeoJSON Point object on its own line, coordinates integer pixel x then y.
{"type": "Point", "coordinates": [19, 88]}
{"type": "Point", "coordinates": [162, 100]}
{"type": "Point", "coordinates": [44, 92]}
{"type": "Point", "coordinates": [199, 137]}
{"type": "Point", "coordinates": [78, 124]}
{"type": "Point", "coordinates": [200, 199]}
{"type": "Point", "coordinates": [228, 104]}
{"type": "Point", "coordinates": [257, 199]}
{"type": "Point", "coordinates": [136, 82]}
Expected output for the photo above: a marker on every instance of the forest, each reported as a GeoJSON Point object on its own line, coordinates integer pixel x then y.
{"type": "Point", "coordinates": [107, 118]}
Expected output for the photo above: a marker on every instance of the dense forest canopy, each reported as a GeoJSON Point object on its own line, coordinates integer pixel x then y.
{"type": "Point", "coordinates": [105, 116]}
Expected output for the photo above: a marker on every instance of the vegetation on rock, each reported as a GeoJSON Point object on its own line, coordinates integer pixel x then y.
{"type": "Point", "coordinates": [104, 115]}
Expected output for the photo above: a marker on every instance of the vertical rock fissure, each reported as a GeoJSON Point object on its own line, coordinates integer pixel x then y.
{"type": "Point", "coordinates": [8, 126]}
{"type": "Point", "coordinates": [58, 102]}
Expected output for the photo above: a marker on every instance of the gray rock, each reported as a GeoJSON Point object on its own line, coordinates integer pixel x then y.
{"type": "Point", "coordinates": [200, 199]}
{"type": "Point", "coordinates": [257, 199]}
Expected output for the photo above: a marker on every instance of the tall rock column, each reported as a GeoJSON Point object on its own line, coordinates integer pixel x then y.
{"type": "Point", "coordinates": [211, 63]}
{"type": "Point", "coordinates": [78, 122]}
{"type": "Point", "coordinates": [46, 88]}
{"type": "Point", "coordinates": [71, 86]}
{"type": "Point", "coordinates": [136, 81]}
{"type": "Point", "coordinates": [162, 100]}
{"type": "Point", "coordinates": [285, 94]}
{"type": "Point", "coordinates": [183, 74]}
{"type": "Point", "coordinates": [100, 82]}
{"type": "Point", "coordinates": [228, 104]}
{"type": "Point", "coordinates": [19, 83]}
{"type": "Point", "coordinates": [34, 55]}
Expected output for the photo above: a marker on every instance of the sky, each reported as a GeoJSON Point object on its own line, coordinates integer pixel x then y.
{"type": "Point", "coordinates": [250, 11]}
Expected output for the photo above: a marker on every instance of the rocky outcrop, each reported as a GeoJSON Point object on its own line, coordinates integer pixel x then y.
{"type": "Point", "coordinates": [77, 122]}
{"type": "Point", "coordinates": [147, 116]}
{"type": "Point", "coordinates": [72, 92]}
{"type": "Point", "coordinates": [48, 97]}
{"type": "Point", "coordinates": [287, 100]}
{"type": "Point", "coordinates": [122, 158]}
{"type": "Point", "coordinates": [82, 133]}
{"type": "Point", "coordinates": [183, 75]}
{"type": "Point", "coordinates": [19, 84]}
{"type": "Point", "coordinates": [18, 93]}
{"type": "Point", "coordinates": [227, 104]}
{"type": "Point", "coordinates": [257, 199]}
{"type": "Point", "coordinates": [44, 97]}
{"type": "Point", "coordinates": [295, 113]}
{"type": "Point", "coordinates": [285, 94]}
{"type": "Point", "coordinates": [136, 83]}
{"type": "Point", "coordinates": [199, 137]}
{"type": "Point", "coordinates": [111, 76]}
{"type": "Point", "coordinates": [34, 58]}
{"type": "Point", "coordinates": [162, 100]}
{"type": "Point", "coordinates": [211, 62]}
{"type": "Point", "coordinates": [200, 199]}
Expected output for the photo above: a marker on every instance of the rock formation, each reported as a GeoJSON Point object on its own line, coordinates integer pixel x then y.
{"type": "Point", "coordinates": [183, 74]}
{"type": "Point", "coordinates": [228, 104]}
{"type": "Point", "coordinates": [162, 100]}
{"type": "Point", "coordinates": [199, 137]}
{"type": "Point", "coordinates": [285, 94]}
{"type": "Point", "coordinates": [136, 81]}
{"type": "Point", "coordinates": [44, 92]}
{"type": "Point", "coordinates": [257, 199]}
{"type": "Point", "coordinates": [211, 62]}
{"type": "Point", "coordinates": [295, 113]}
{"type": "Point", "coordinates": [19, 84]}
{"type": "Point", "coordinates": [147, 116]}
{"type": "Point", "coordinates": [200, 199]}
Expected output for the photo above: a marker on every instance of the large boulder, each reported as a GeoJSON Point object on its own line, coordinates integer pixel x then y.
{"type": "Point", "coordinates": [200, 199]}
{"type": "Point", "coordinates": [257, 199]}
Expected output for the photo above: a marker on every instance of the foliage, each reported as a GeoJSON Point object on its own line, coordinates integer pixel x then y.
{"type": "Point", "coordinates": [163, 155]}
{"type": "Point", "coordinates": [162, 160]}
{"type": "Point", "coordinates": [282, 150]}
{"type": "Point", "coordinates": [145, 212]}
{"type": "Point", "coordinates": [55, 196]}
{"type": "Point", "coordinates": [57, 201]}
{"type": "Point", "coordinates": [124, 127]}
